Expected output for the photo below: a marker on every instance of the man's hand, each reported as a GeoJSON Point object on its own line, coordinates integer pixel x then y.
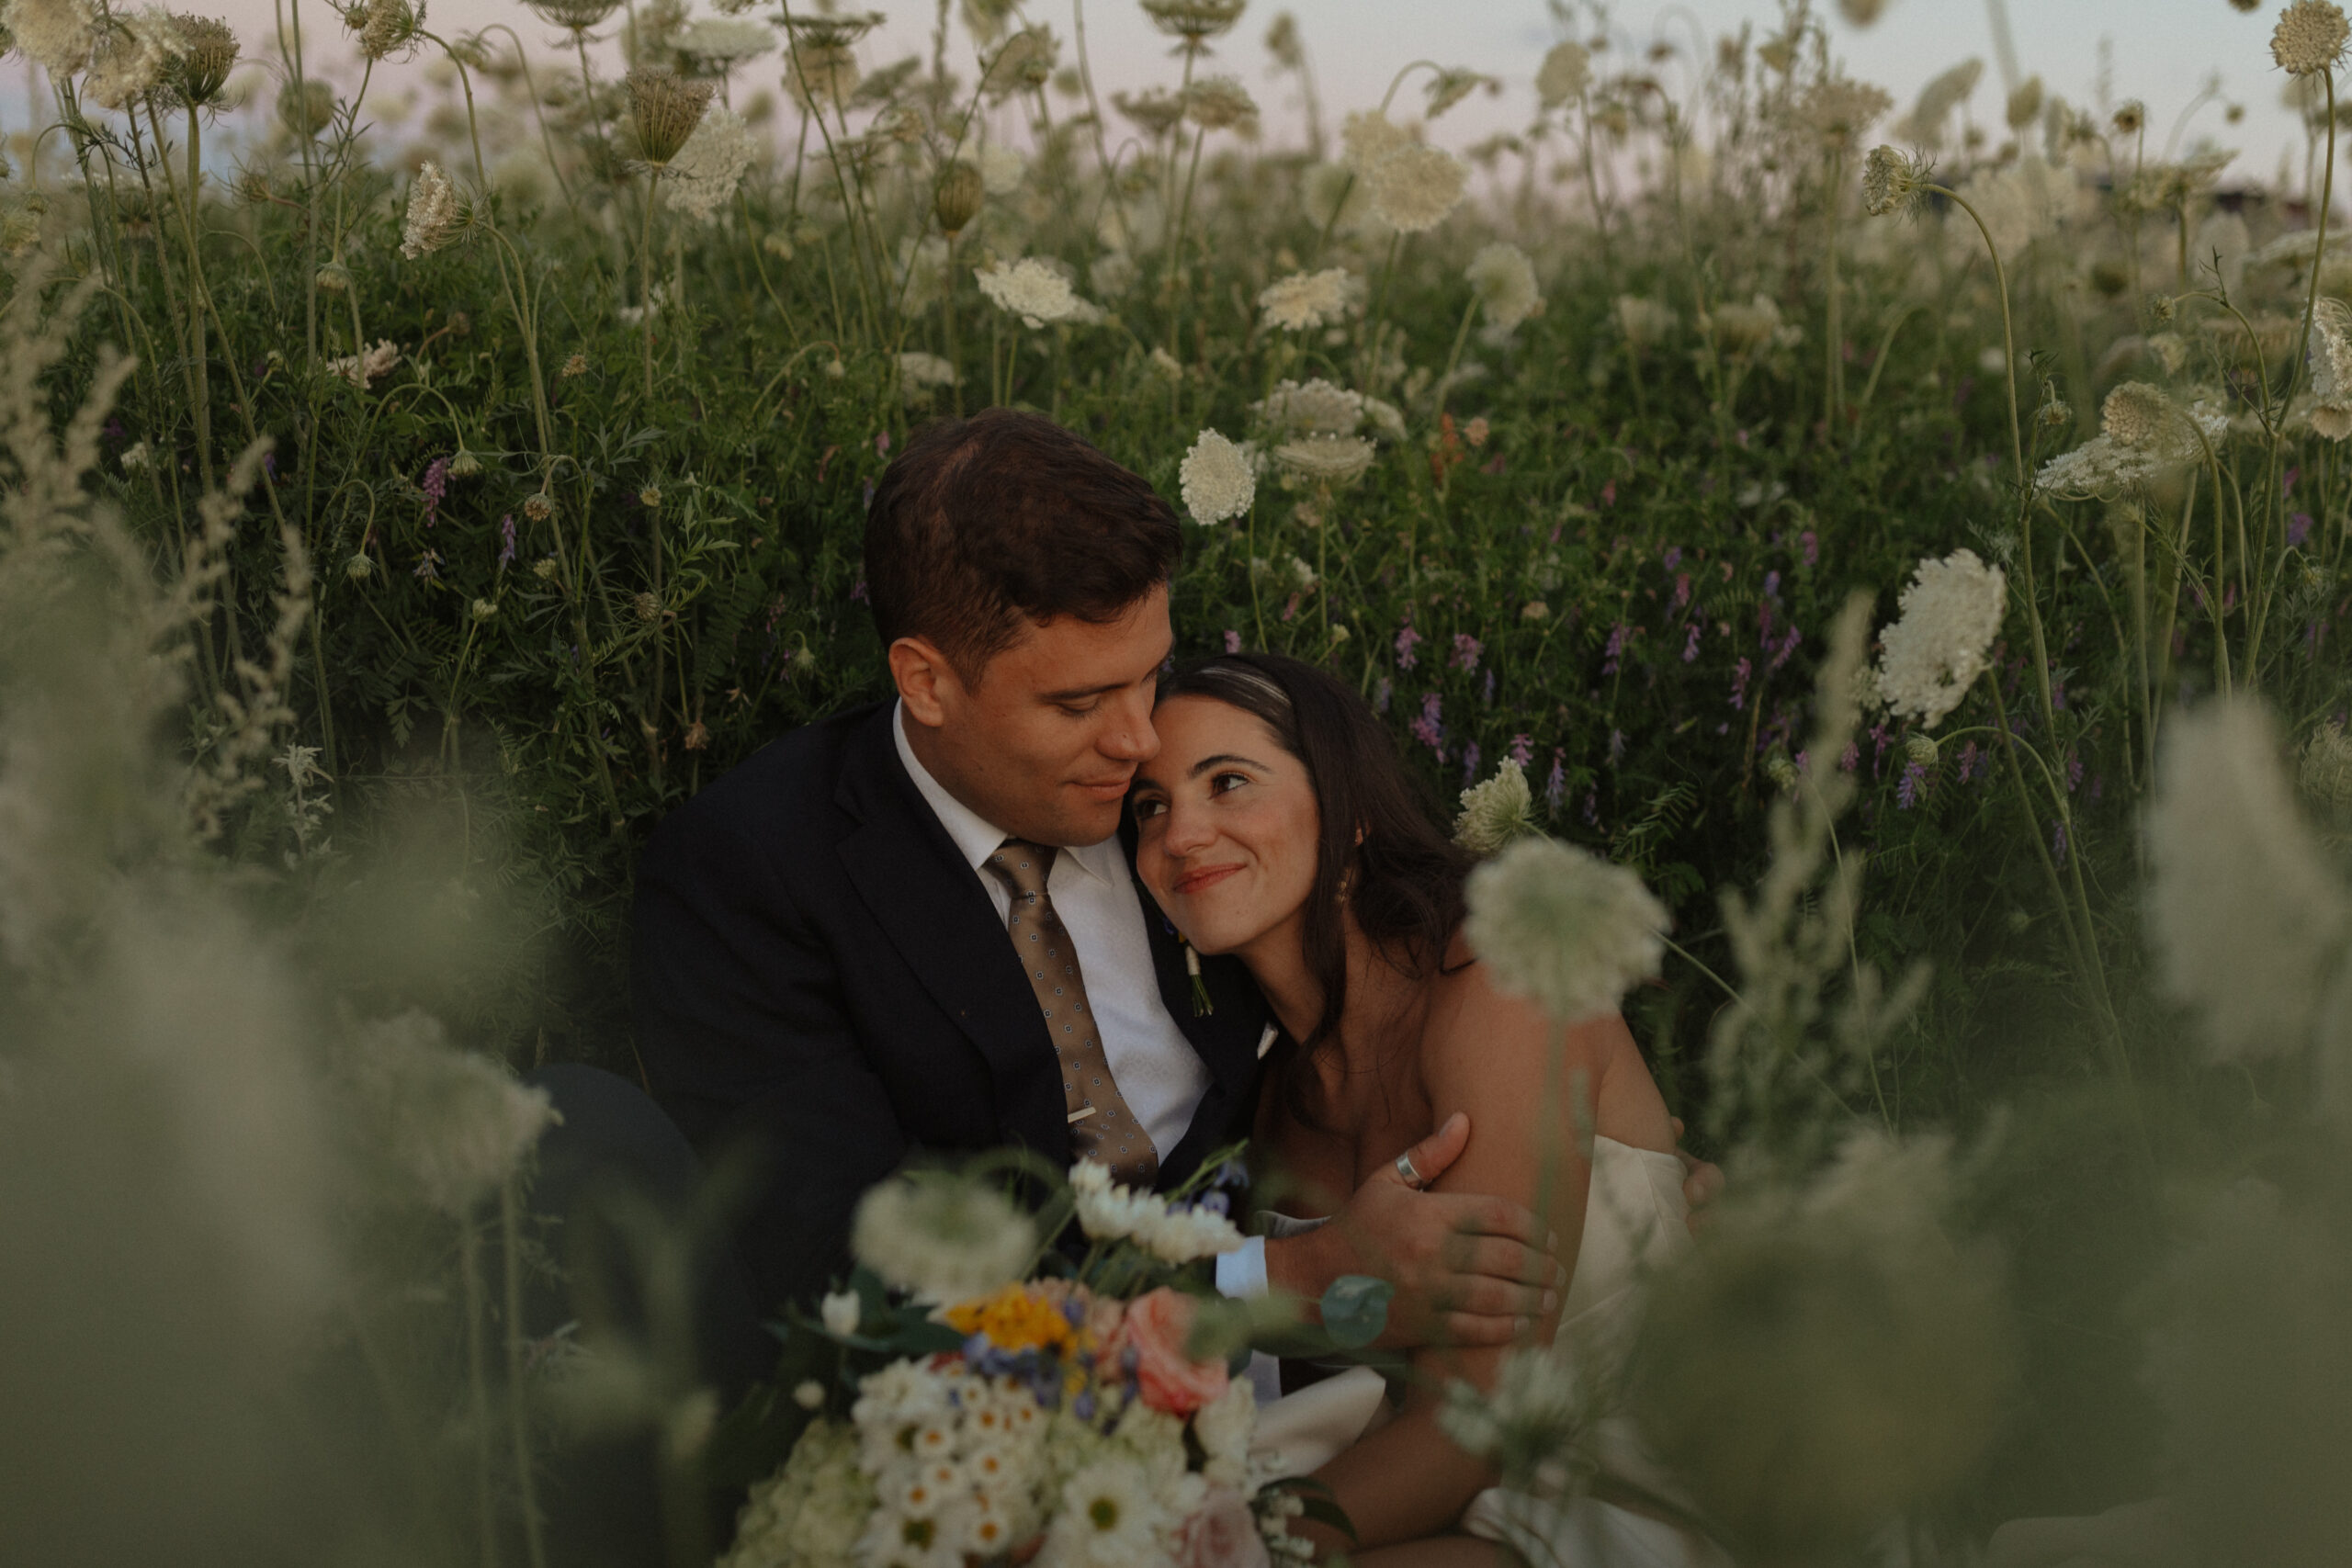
{"type": "Point", "coordinates": [1469, 1270]}
{"type": "Point", "coordinates": [1702, 1182]}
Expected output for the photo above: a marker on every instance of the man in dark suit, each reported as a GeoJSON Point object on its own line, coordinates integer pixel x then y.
{"type": "Point", "coordinates": [829, 963]}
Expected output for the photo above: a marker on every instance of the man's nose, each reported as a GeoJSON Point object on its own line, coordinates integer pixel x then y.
{"type": "Point", "coordinates": [1127, 735]}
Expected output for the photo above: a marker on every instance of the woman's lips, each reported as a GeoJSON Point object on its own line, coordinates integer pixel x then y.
{"type": "Point", "coordinates": [1193, 882]}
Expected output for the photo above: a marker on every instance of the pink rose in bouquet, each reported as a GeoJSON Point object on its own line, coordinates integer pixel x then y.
{"type": "Point", "coordinates": [1154, 1333]}
{"type": "Point", "coordinates": [1223, 1533]}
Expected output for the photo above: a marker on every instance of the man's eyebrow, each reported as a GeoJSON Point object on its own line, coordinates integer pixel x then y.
{"type": "Point", "coordinates": [1205, 763]}
{"type": "Point", "coordinates": [1076, 693]}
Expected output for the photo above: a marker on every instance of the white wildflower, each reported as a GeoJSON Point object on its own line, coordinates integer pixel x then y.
{"type": "Point", "coordinates": [840, 1311]}
{"type": "Point", "coordinates": [1387, 421]}
{"type": "Point", "coordinates": [1315, 408]}
{"type": "Point", "coordinates": [942, 1238]}
{"type": "Point", "coordinates": [809, 1513]}
{"type": "Point", "coordinates": [1371, 136]}
{"type": "Point", "coordinates": [716, 43]}
{"type": "Point", "coordinates": [1567, 931]}
{"type": "Point", "coordinates": [1566, 73]}
{"type": "Point", "coordinates": [2310, 38]}
{"type": "Point", "coordinates": [2138, 415]}
{"type": "Point", "coordinates": [1215, 103]}
{"type": "Point", "coordinates": [2104, 466]}
{"type": "Point", "coordinates": [1414, 187]}
{"type": "Point", "coordinates": [1225, 1427]}
{"type": "Point", "coordinates": [1003, 169]}
{"type": "Point", "coordinates": [2244, 909]}
{"type": "Point", "coordinates": [456, 1121]}
{"type": "Point", "coordinates": [1114, 273]}
{"type": "Point", "coordinates": [434, 215]}
{"type": "Point", "coordinates": [362, 369]}
{"type": "Point", "coordinates": [136, 457]}
{"type": "Point", "coordinates": [1110, 1517]}
{"type": "Point", "coordinates": [2331, 356]}
{"type": "Point", "coordinates": [2326, 776]}
{"type": "Point", "coordinates": [1646, 322]}
{"type": "Point", "coordinates": [1327, 460]}
{"type": "Point", "coordinates": [1496, 812]}
{"type": "Point", "coordinates": [1747, 329]}
{"type": "Point", "coordinates": [1173, 1234]}
{"type": "Point", "coordinates": [1951, 613]}
{"type": "Point", "coordinates": [131, 58]}
{"type": "Point", "coordinates": [2019, 202]}
{"type": "Point", "coordinates": [1305, 300]}
{"type": "Point", "coordinates": [704, 174]}
{"type": "Point", "coordinates": [56, 35]}
{"type": "Point", "coordinates": [1504, 280]}
{"type": "Point", "coordinates": [921, 374]}
{"type": "Point", "coordinates": [1216, 479]}
{"type": "Point", "coordinates": [1924, 127]}
{"type": "Point", "coordinates": [1034, 292]}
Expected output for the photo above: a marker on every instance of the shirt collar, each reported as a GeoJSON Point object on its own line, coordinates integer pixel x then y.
{"type": "Point", "coordinates": [975, 836]}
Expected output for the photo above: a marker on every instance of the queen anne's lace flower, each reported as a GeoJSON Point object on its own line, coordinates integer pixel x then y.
{"type": "Point", "coordinates": [1891, 182]}
{"type": "Point", "coordinates": [362, 368]}
{"type": "Point", "coordinates": [1215, 103]}
{"type": "Point", "coordinates": [1746, 329]}
{"type": "Point", "coordinates": [1645, 322]}
{"type": "Point", "coordinates": [2244, 909]}
{"type": "Point", "coordinates": [944, 1238]}
{"type": "Point", "coordinates": [1316, 408]}
{"type": "Point", "coordinates": [1838, 111]}
{"type": "Point", "coordinates": [1172, 1233]}
{"type": "Point", "coordinates": [1570, 932]}
{"type": "Point", "coordinates": [704, 174]}
{"type": "Point", "coordinates": [718, 42]}
{"type": "Point", "coordinates": [1951, 611]}
{"type": "Point", "coordinates": [1327, 460]}
{"type": "Point", "coordinates": [1216, 479]}
{"type": "Point", "coordinates": [1496, 812]}
{"type": "Point", "coordinates": [1504, 280]}
{"type": "Point", "coordinates": [2310, 38]}
{"type": "Point", "coordinates": [1566, 71]}
{"type": "Point", "coordinates": [1034, 292]}
{"type": "Point", "coordinates": [1413, 189]}
{"type": "Point", "coordinates": [460, 1124]}
{"type": "Point", "coordinates": [56, 35]}
{"type": "Point", "coordinates": [1369, 137]}
{"type": "Point", "coordinates": [434, 213]}
{"type": "Point", "coordinates": [1305, 300]}
{"type": "Point", "coordinates": [2138, 415]}
{"type": "Point", "coordinates": [131, 58]}
{"type": "Point", "coordinates": [2331, 354]}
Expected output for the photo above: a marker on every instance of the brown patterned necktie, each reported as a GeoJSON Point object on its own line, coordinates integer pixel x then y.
{"type": "Point", "coordinates": [1102, 1128]}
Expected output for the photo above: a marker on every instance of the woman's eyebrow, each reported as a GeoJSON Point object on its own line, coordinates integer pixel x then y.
{"type": "Point", "coordinates": [1205, 763]}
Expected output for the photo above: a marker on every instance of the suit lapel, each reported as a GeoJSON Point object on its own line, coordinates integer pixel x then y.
{"type": "Point", "coordinates": [929, 903]}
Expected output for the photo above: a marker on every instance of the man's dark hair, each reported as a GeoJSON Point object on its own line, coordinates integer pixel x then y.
{"type": "Point", "coordinates": [983, 521]}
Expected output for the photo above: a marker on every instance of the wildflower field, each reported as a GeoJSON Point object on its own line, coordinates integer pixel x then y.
{"type": "Point", "coordinates": [1911, 536]}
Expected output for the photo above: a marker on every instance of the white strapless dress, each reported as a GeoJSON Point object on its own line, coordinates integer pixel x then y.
{"type": "Point", "coordinates": [1636, 1222]}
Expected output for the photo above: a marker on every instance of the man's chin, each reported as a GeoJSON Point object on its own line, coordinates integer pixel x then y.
{"type": "Point", "coordinates": [1084, 822]}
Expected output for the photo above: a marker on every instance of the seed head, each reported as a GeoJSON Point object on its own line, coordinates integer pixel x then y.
{"type": "Point", "coordinates": [208, 53]}
{"type": "Point", "coordinates": [1194, 21]}
{"type": "Point", "coordinates": [436, 215]}
{"type": "Point", "coordinates": [360, 567]}
{"type": "Point", "coordinates": [1154, 112]}
{"type": "Point", "coordinates": [1566, 73]}
{"type": "Point", "coordinates": [664, 109]}
{"type": "Point", "coordinates": [648, 607]}
{"type": "Point", "coordinates": [2025, 104]}
{"type": "Point", "coordinates": [1919, 750]}
{"type": "Point", "coordinates": [959, 198]}
{"type": "Point", "coordinates": [538, 507]}
{"type": "Point", "coordinates": [574, 16]}
{"type": "Point", "coordinates": [1024, 64]}
{"type": "Point", "coordinates": [1892, 182]}
{"type": "Point", "coordinates": [334, 278]}
{"type": "Point", "coordinates": [1213, 103]}
{"type": "Point", "coordinates": [2310, 38]}
{"type": "Point", "coordinates": [483, 610]}
{"type": "Point", "coordinates": [386, 28]}
{"type": "Point", "coordinates": [2131, 117]}
{"type": "Point", "coordinates": [2138, 415]}
{"type": "Point", "coordinates": [306, 113]}
{"type": "Point", "coordinates": [575, 365]}
{"type": "Point", "coordinates": [131, 59]}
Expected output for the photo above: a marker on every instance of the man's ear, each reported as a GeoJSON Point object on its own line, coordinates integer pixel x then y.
{"type": "Point", "coordinates": [926, 681]}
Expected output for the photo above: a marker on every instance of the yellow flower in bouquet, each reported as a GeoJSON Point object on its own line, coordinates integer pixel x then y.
{"type": "Point", "coordinates": [1018, 1317]}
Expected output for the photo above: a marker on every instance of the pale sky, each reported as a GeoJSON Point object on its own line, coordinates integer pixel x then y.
{"type": "Point", "coordinates": [2160, 51]}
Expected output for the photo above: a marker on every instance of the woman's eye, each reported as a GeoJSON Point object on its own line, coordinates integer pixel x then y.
{"type": "Point", "coordinates": [1147, 809]}
{"type": "Point", "coordinates": [1224, 783]}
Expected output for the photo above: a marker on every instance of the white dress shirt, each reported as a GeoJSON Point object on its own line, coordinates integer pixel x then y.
{"type": "Point", "coordinates": [1158, 1074]}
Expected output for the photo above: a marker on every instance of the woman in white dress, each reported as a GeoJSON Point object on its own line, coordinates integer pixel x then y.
{"type": "Point", "coordinates": [1278, 823]}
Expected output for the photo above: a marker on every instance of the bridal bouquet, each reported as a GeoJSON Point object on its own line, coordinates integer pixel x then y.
{"type": "Point", "coordinates": [1066, 1419]}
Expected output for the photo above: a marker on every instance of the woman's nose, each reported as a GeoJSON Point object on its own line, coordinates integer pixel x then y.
{"type": "Point", "coordinates": [1188, 830]}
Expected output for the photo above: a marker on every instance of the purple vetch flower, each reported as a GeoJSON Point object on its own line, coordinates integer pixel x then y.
{"type": "Point", "coordinates": [1592, 807]}
{"type": "Point", "coordinates": [1556, 785]}
{"type": "Point", "coordinates": [1914, 784]}
{"type": "Point", "coordinates": [1467, 649]}
{"type": "Point", "coordinates": [1487, 692]}
{"type": "Point", "coordinates": [1470, 764]}
{"type": "Point", "coordinates": [1740, 675]}
{"type": "Point", "coordinates": [881, 443]}
{"type": "Point", "coordinates": [2299, 528]}
{"type": "Point", "coordinates": [867, 504]}
{"type": "Point", "coordinates": [1673, 557]}
{"type": "Point", "coordinates": [2074, 770]}
{"type": "Point", "coordinates": [1967, 758]}
{"type": "Point", "coordinates": [1616, 747]}
{"type": "Point", "coordinates": [1810, 546]}
{"type": "Point", "coordinates": [1407, 640]}
{"type": "Point", "coordinates": [428, 567]}
{"type": "Point", "coordinates": [1617, 635]}
{"type": "Point", "coordinates": [1232, 641]}
{"type": "Point", "coordinates": [1771, 585]}
{"type": "Point", "coordinates": [2058, 843]}
{"type": "Point", "coordinates": [1681, 589]}
{"type": "Point", "coordinates": [1691, 644]}
{"type": "Point", "coordinates": [857, 593]}
{"type": "Point", "coordinates": [1788, 646]}
{"type": "Point", "coordinates": [1886, 737]}
{"type": "Point", "coordinates": [435, 486]}
{"type": "Point", "coordinates": [1522, 749]}
{"type": "Point", "coordinates": [1430, 729]}
{"type": "Point", "coordinates": [1851, 758]}
{"type": "Point", "coordinates": [505, 540]}
{"type": "Point", "coordinates": [1381, 692]}
{"type": "Point", "coordinates": [2058, 692]}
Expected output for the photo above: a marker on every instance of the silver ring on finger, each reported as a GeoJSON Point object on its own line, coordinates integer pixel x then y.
{"type": "Point", "coordinates": [1407, 1174]}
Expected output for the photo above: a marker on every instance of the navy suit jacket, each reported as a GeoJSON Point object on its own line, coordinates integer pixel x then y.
{"type": "Point", "coordinates": [817, 972]}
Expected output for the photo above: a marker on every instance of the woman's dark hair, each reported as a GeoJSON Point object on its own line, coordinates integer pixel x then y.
{"type": "Point", "coordinates": [1380, 840]}
{"type": "Point", "coordinates": [981, 522]}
